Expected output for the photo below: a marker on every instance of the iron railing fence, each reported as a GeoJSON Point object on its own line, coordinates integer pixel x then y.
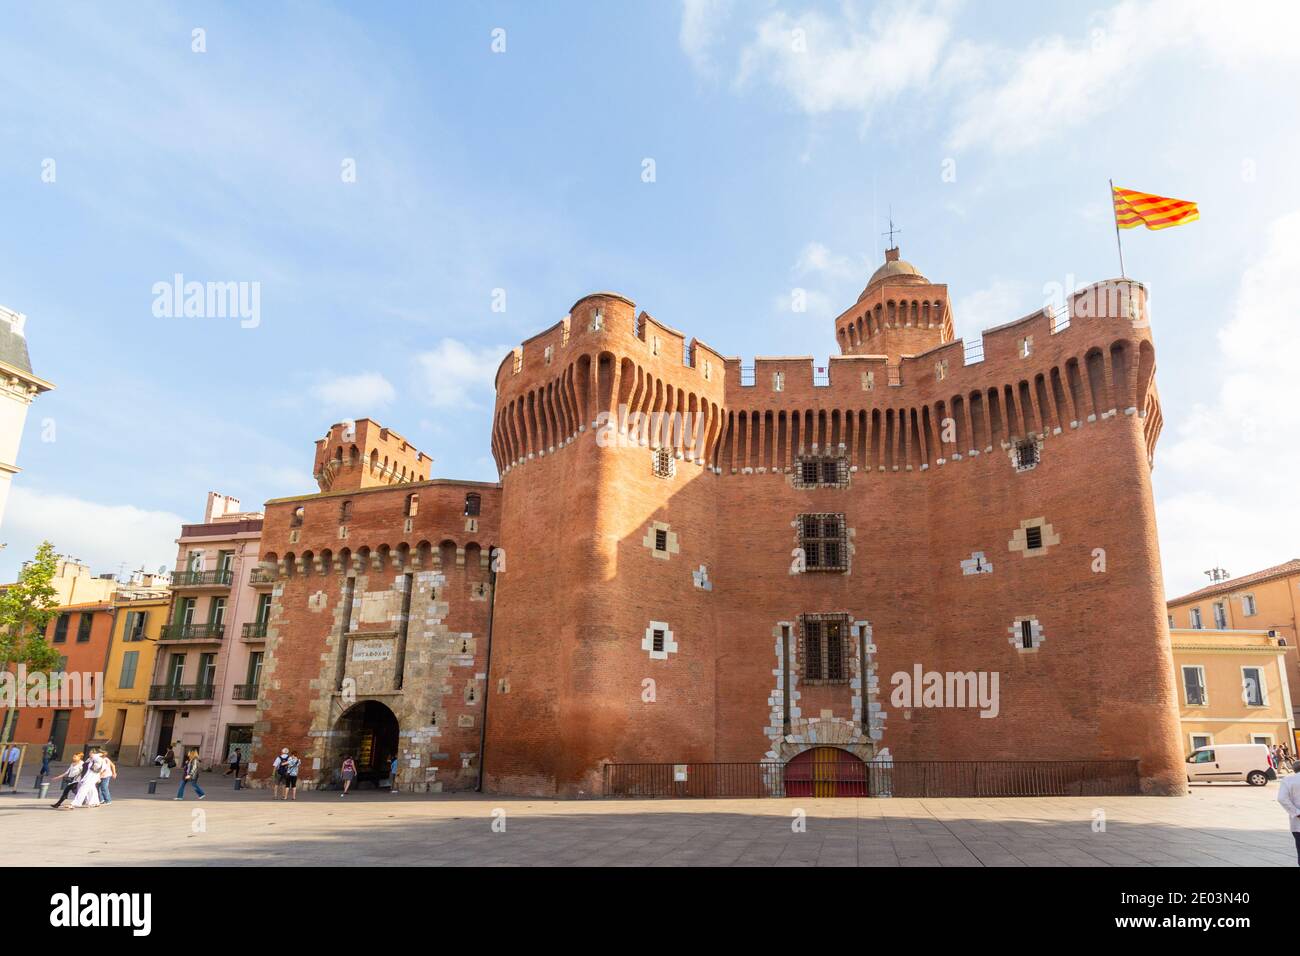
{"type": "Point", "coordinates": [894, 778]}
{"type": "Point", "coordinates": [222, 577]}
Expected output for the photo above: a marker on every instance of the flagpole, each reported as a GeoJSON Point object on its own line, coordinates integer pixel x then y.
{"type": "Point", "coordinates": [1115, 214]}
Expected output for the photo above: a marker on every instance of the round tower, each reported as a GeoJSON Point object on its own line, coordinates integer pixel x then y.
{"type": "Point", "coordinates": [900, 312]}
{"type": "Point", "coordinates": [602, 646]}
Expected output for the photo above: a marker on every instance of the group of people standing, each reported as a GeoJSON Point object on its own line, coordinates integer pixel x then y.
{"type": "Point", "coordinates": [1280, 756]}
{"type": "Point", "coordinates": [87, 780]}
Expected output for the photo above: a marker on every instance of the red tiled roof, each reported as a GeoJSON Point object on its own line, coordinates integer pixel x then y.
{"type": "Point", "coordinates": [1233, 584]}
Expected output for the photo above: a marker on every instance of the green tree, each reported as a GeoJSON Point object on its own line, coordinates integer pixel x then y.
{"type": "Point", "coordinates": [25, 609]}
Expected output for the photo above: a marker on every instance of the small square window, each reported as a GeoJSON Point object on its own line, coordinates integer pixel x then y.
{"type": "Point", "coordinates": [1027, 455]}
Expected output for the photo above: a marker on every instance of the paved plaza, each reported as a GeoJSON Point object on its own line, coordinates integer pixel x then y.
{"type": "Point", "coordinates": [1219, 824]}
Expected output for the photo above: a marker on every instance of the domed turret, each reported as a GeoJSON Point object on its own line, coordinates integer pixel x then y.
{"type": "Point", "coordinates": [896, 270]}
{"type": "Point", "coordinates": [899, 313]}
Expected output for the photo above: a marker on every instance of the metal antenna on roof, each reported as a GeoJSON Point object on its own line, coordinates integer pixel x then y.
{"type": "Point", "coordinates": [892, 230]}
{"type": "Point", "coordinates": [1217, 574]}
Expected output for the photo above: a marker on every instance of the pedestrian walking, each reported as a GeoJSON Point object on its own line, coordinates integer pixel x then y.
{"type": "Point", "coordinates": [87, 794]}
{"type": "Point", "coordinates": [47, 754]}
{"type": "Point", "coordinates": [349, 773]}
{"type": "Point", "coordinates": [70, 777]}
{"type": "Point", "coordinates": [236, 758]}
{"type": "Point", "coordinates": [1288, 794]}
{"type": "Point", "coordinates": [191, 775]}
{"type": "Point", "coordinates": [164, 762]}
{"type": "Point", "coordinates": [106, 777]}
{"type": "Point", "coordinates": [392, 772]}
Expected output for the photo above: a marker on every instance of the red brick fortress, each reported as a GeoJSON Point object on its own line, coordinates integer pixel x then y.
{"type": "Point", "coordinates": [691, 560]}
{"type": "Point", "coordinates": [714, 562]}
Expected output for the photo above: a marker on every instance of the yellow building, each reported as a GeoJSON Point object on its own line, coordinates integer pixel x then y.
{"type": "Point", "coordinates": [1266, 600]}
{"type": "Point", "coordinates": [139, 615]}
{"type": "Point", "coordinates": [1232, 688]}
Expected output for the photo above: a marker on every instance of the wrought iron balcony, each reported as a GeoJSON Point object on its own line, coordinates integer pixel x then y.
{"type": "Point", "coordinates": [192, 632]}
{"type": "Point", "coordinates": [261, 577]}
{"type": "Point", "coordinates": [180, 692]}
{"type": "Point", "coordinates": [202, 579]}
{"type": "Point", "coordinates": [254, 631]}
{"type": "Point", "coordinates": [245, 692]}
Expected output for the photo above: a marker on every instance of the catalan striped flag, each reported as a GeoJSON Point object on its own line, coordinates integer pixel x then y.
{"type": "Point", "coordinates": [1133, 209]}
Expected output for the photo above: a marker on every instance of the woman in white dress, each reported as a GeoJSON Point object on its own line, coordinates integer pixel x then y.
{"type": "Point", "coordinates": [88, 790]}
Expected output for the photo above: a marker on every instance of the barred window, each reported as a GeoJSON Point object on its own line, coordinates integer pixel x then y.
{"type": "Point", "coordinates": [661, 539]}
{"type": "Point", "coordinates": [658, 640]}
{"type": "Point", "coordinates": [824, 541]}
{"type": "Point", "coordinates": [663, 463]}
{"type": "Point", "coordinates": [1034, 537]}
{"type": "Point", "coordinates": [821, 471]}
{"type": "Point", "coordinates": [1027, 454]}
{"type": "Point", "coordinates": [824, 645]}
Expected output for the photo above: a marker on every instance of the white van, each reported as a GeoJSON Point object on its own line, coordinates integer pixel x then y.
{"type": "Point", "coordinates": [1247, 762]}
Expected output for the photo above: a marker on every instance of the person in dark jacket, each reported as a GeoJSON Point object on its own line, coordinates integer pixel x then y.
{"type": "Point", "coordinates": [191, 775]}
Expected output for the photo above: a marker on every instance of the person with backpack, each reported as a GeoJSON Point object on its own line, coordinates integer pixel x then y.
{"type": "Point", "coordinates": [348, 773]}
{"type": "Point", "coordinates": [47, 754]}
{"type": "Point", "coordinates": [280, 774]}
{"type": "Point", "coordinates": [191, 768]}
{"type": "Point", "coordinates": [70, 777]}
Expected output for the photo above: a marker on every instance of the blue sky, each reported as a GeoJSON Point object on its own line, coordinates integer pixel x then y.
{"type": "Point", "coordinates": [780, 135]}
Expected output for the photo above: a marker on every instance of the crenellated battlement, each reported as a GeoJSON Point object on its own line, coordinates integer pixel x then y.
{"type": "Point", "coordinates": [365, 454]}
{"type": "Point", "coordinates": [644, 383]}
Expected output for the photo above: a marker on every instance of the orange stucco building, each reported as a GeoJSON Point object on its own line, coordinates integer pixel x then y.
{"type": "Point", "coordinates": [1264, 600]}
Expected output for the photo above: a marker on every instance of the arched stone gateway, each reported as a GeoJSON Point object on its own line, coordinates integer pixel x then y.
{"type": "Point", "coordinates": [826, 772]}
{"type": "Point", "coordinates": [367, 732]}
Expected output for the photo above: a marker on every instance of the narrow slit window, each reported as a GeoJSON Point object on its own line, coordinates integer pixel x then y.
{"type": "Point", "coordinates": [1034, 537]}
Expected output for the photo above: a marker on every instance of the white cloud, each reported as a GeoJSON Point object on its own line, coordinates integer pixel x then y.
{"type": "Point", "coordinates": [999, 98]}
{"type": "Point", "coordinates": [1226, 479]}
{"type": "Point", "coordinates": [103, 536]}
{"type": "Point", "coordinates": [1057, 84]}
{"type": "Point", "coordinates": [1005, 300]}
{"type": "Point", "coordinates": [701, 22]}
{"type": "Point", "coordinates": [456, 375]}
{"type": "Point", "coordinates": [358, 394]}
{"type": "Point", "coordinates": [816, 259]}
{"type": "Point", "coordinates": [827, 64]}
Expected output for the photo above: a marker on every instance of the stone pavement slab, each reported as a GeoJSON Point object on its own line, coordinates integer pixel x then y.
{"type": "Point", "coordinates": [1217, 825]}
